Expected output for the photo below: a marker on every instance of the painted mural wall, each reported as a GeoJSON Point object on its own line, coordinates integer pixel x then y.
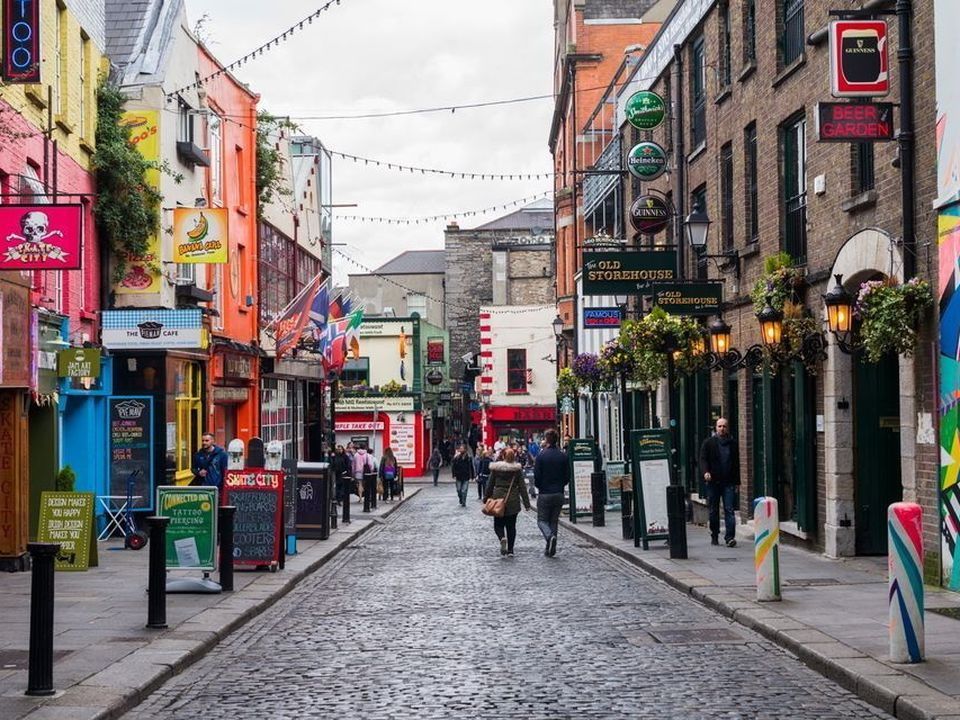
{"type": "Point", "coordinates": [947, 19]}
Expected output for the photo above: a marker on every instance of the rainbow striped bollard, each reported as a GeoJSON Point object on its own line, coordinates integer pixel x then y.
{"type": "Point", "coordinates": [905, 598]}
{"type": "Point", "coordinates": [766, 548]}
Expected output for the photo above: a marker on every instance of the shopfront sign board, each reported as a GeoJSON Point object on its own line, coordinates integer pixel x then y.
{"type": "Point", "coordinates": [200, 235]}
{"type": "Point", "coordinates": [854, 122]}
{"type": "Point", "coordinates": [647, 161]}
{"type": "Point", "coordinates": [618, 272]}
{"type": "Point", "coordinates": [645, 110]}
{"type": "Point", "coordinates": [192, 532]}
{"type": "Point", "coordinates": [79, 362]}
{"type": "Point", "coordinates": [41, 237]}
{"type": "Point", "coordinates": [602, 318]}
{"type": "Point", "coordinates": [649, 214]}
{"type": "Point", "coordinates": [67, 518]}
{"type": "Point", "coordinates": [581, 453]}
{"type": "Point", "coordinates": [258, 522]}
{"type": "Point", "coordinates": [130, 448]}
{"type": "Point", "coordinates": [152, 329]}
{"type": "Point", "coordinates": [694, 299]}
{"type": "Point", "coordinates": [650, 452]}
{"type": "Point", "coordinates": [21, 41]}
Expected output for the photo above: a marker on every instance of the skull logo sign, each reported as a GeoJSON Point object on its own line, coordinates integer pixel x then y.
{"type": "Point", "coordinates": [32, 245]}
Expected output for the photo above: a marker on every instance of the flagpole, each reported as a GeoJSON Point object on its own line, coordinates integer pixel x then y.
{"type": "Point", "coordinates": [299, 296]}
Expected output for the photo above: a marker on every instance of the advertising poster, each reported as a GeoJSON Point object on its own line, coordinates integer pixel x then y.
{"type": "Point", "coordinates": [67, 518]}
{"type": "Point", "coordinates": [403, 442]}
{"type": "Point", "coordinates": [581, 452]}
{"type": "Point", "coordinates": [200, 235]}
{"type": "Point", "coordinates": [41, 237]}
{"type": "Point", "coordinates": [130, 438]}
{"type": "Point", "coordinates": [143, 271]}
{"type": "Point", "coordinates": [192, 532]}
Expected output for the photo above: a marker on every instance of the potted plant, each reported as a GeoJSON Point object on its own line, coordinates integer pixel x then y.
{"type": "Point", "coordinates": [889, 313]}
{"type": "Point", "coordinates": [567, 384]}
{"type": "Point", "coordinates": [66, 479]}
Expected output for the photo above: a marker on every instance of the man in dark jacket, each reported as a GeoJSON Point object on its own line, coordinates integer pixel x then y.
{"type": "Point", "coordinates": [462, 467]}
{"type": "Point", "coordinates": [551, 473]}
{"type": "Point", "coordinates": [720, 467]}
{"type": "Point", "coordinates": [210, 463]}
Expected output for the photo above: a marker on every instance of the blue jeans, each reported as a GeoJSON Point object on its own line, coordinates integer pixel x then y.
{"type": "Point", "coordinates": [548, 513]}
{"type": "Point", "coordinates": [436, 475]}
{"type": "Point", "coordinates": [729, 494]}
{"type": "Point", "coordinates": [463, 487]}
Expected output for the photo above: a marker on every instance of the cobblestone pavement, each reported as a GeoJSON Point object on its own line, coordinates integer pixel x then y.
{"type": "Point", "coordinates": [422, 618]}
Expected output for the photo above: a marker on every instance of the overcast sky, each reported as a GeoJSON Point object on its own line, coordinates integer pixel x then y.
{"type": "Point", "coordinates": [385, 55]}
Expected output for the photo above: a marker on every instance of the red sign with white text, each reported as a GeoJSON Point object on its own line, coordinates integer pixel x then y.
{"type": "Point", "coordinates": [40, 237]}
{"type": "Point", "coordinates": [859, 65]}
{"type": "Point", "coordinates": [854, 122]}
{"type": "Point", "coordinates": [257, 496]}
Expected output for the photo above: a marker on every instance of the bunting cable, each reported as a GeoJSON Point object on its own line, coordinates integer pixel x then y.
{"type": "Point", "coordinates": [447, 216]}
{"type": "Point", "coordinates": [258, 51]}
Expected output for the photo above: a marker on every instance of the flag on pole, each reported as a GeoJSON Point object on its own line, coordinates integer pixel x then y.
{"type": "Point", "coordinates": [292, 319]}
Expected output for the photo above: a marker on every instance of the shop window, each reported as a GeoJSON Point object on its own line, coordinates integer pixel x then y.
{"type": "Point", "coordinates": [516, 371]}
{"type": "Point", "coordinates": [277, 407]}
{"type": "Point", "coordinates": [355, 372]}
{"type": "Point", "coordinates": [188, 387]}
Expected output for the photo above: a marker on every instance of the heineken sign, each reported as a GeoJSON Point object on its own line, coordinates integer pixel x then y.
{"type": "Point", "coordinates": [647, 161]}
{"type": "Point", "coordinates": [616, 272]}
{"type": "Point", "coordinates": [695, 298]}
{"type": "Point", "coordinates": [649, 214]}
{"type": "Point", "coordinates": [645, 110]}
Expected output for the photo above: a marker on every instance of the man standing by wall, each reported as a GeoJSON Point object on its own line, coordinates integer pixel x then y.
{"type": "Point", "coordinates": [550, 475]}
{"type": "Point", "coordinates": [720, 466]}
{"type": "Point", "coordinates": [210, 463]}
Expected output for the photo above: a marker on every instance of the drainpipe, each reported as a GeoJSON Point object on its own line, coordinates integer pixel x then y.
{"type": "Point", "coordinates": [907, 142]}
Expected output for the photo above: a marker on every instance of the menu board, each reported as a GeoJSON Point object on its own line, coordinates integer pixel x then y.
{"type": "Point", "coordinates": [258, 522]}
{"type": "Point", "coordinates": [581, 453]}
{"type": "Point", "coordinates": [130, 438]}
{"type": "Point", "coordinates": [651, 453]}
{"type": "Point", "coordinates": [192, 531]}
{"type": "Point", "coordinates": [67, 518]}
{"type": "Point", "coordinates": [403, 442]}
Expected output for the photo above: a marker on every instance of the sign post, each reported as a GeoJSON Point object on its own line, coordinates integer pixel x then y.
{"type": "Point", "coordinates": [650, 452]}
{"type": "Point", "coordinates": [581, 452]}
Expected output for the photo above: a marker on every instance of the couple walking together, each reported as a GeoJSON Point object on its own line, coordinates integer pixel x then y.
{"type": "Point", "coordinates": [506, 482]}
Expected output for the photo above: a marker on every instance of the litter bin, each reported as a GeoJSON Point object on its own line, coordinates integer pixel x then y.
{"type": "Point", "coordinates": [315, 496]}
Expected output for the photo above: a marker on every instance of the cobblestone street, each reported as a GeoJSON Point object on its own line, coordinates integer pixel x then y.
{"type": "Point", "coordinates": [422, 618]}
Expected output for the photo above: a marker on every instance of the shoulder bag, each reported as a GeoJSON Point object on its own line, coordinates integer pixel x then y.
{"type": "Point", "coordinates": [497, 507]}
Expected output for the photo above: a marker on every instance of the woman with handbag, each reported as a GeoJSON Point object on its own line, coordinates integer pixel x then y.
{"type": "Point", "coordinates": [505, 491]}
{"type": "Point", "coordinates": [389, 475]}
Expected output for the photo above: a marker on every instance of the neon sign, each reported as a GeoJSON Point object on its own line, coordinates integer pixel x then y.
{"type": "Point", "coordinates": [21, 41]}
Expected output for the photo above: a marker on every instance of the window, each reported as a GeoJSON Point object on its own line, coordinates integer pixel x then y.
{"type": "Point", "coordinates": [725, 58]}
{"type": "Point", "coordinates": [308, 267]}
{"type": "Point", "coordinates": [242, 178]}
{"type": "Point", "coordinates": [698, 199]}
{"type": "Point", "coordinates": [59, 58]}
{"type": "Point", "coordinates": [185, 129]}
{"type": "Point", "coordinates": [794, 181]}
{"type": "Point", "coordinates": [355, 372]}
{"type": "Point", "coordinates": [726, 196]}
{"type": "Point", "coordinates": [516, 371]}
{"type": "Point", "coordinates": [218, 291]}
{"type": "Point", "coordinates": [749, 32]}
{"type": "Point", "coordinates": [82, 121]}
{"type": "Point", "coordinates": [750, 183]}
{"type": "Point", "coordinates": [417, 303]}
{"type": "Point", "coordinates": [277, 401]}
{"type": "Point", "coordinates": [216, 159]}
{"type": "Point", "coordinates": [278, 284]}
{"type": "Point", "coordinates": [698, 93]}
{"type": "Point", "coordinates": [863, 179]}
{"type": "Point", "coordinates": [187, 391]}
{"type": "Point", "coordinates": [791, 41]}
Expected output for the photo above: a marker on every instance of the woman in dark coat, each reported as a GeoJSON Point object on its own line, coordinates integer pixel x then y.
{"type": "Point", "coordinates": [340, 467]}
{"type": "Point", "coordinates": [506, 481]}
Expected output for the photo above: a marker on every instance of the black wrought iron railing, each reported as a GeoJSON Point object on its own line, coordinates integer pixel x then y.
{"type": "Point", "coordinates": [793, 39]}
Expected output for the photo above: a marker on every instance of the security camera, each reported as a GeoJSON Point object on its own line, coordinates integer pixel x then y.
{"type": "Point", "coordinates": [467, 358]}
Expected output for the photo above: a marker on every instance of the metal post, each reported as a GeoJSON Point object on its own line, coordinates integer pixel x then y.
{"type": "Point", "coordinates": [345, 484]}
{"type": "Point", "coordinates": [676, 494]}
{"type": "Point", "coordinates": [367, 491]}
{"type": "Point", "coordinates": [227, 513]}
{"type": "Point", "coordinates": [906, 135]}
{"type": "Point", "coordinates": [157, 578]}
{"type": "Point", "coordinates": [905, 588]}
{"type": "Point", "coordinates": [598, 482]}
{"type": "Point", "coordinates": [766, 548]}
{"type": "Point", "coordinates": [40, 671]}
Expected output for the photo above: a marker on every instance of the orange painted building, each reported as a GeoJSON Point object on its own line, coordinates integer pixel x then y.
{"type": "Point", "coordinates": [233, 380]}
{"type": "Point", "coordinates": [595, 43]}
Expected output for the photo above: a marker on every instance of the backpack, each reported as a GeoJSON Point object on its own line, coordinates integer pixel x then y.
{"type": "Point", "coordinates": [389, 472]}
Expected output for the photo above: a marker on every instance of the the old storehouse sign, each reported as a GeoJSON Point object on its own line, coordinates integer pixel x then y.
{"type": "Point", "coordinates": [647, 161]}
{"type": "Point", "coordinates": [40, 237]}
{"type": "Point", "coordinates": [623, 273]}
{"type": "Point", "coordinates": [21, 41]}
{"type": "Point", "coordinates": [649, 214]}
{"type": "Point", "coordinates": [858, 58]}
{"type": "Point", "coordinates": [689, 298]}
{"type": "Point", "coordinates": [645, 110]}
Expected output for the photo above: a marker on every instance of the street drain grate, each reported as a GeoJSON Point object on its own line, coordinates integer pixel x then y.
{"type": "Point", "coordinates": [811, 582]}
{"type": "Point", "coordinates": [696, 635]}
{"type": "Point", "coordinates": [950, 612]}
{"type": "Point", "coordinates": [20, 659]}
{"type": "Point", "coordinates": [723, 559]}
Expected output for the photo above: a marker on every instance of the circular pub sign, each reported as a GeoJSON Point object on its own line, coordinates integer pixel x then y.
{"type": "Point", "coordinates": [645, 110]}
{"type": "Point", "coordinates": [649, 214]}
{"type": "Point", "coordinates": [647, 161]}
{"type": "Point", "coordinates": [434, 377]}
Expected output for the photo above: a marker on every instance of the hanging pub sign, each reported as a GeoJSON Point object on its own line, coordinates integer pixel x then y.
{"type": "Point", "coordinates": [614, 272]}
{"type": "Point", "coordinates": [649, 214]}
{"type": "Point", "coordinates": [645, 110]}
{"type": "Point", "coordinates": [21, 41]}
{"type": "Point", "coordinates": [695, 298]}
{"type": "Point", "coordinates": [647, 161]}
{"type": "Point", "coordinates": [200, 235]}
{"type": "Point", "coordinates": [859, 64]}
{"type": "Point", "coordinates": [854, 122]}
{"type": "Point", "coordinates": [40, 237]}
{"type": "Point", "coordinates": [435, 353]}
{"type": "Point", "coordinates": [78, 362]}
{"type": "Point", "coordinates": [601, 318]}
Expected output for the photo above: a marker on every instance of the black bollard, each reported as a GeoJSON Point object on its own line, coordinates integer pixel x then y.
{"type": "Point", "coordinates": [626, 513]}
{"type": "Point", "coordinates": [226, 546]}
{"type": "Point", "coordinates": [346, 501]}
{"type": "Point", "coordinates": [677, 521]}
{"type": "Point", "coordinates": [40, 673]}
{"type": "Point", "coordinates": [157, 579]}
{"type": "Point", "coordinates": [366, 493]}
{"type": "Point", "coordinates": [598, 489]}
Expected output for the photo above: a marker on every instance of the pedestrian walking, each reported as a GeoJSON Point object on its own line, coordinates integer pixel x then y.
{"type": "Point", "coordinates": [462, 467]}
{"type": "Point", "coordinates": [341, 468]}
{"type": "Point", "coordinates": [435, 463]}
{"type": "Point", "coordinates": [550, 476]}
{"type": "Point", "coordinates": [506, 481]}
{"type": "Point", "coordinates": [720, 467]}
{"type": "Point", "coordinates": [364, 475]}
{"type": "Point", "coordinates": [390, 475]}
{"type": "Point", "coordinates": [483, 472]}
{"type": "Point", "coordinates": [210, 463]}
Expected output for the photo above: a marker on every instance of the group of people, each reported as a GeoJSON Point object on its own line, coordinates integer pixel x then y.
{"type": "Point", "coordinates": [353, 468]}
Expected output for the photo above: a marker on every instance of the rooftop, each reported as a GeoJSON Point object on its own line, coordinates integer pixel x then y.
{"type": "Point", "coordinates": [414, 262]}
{"type": "Point", "coordinates": [535, 217]}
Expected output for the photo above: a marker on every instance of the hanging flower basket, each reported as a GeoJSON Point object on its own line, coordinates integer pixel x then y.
{"type": "Point", "coordinates": [567, 384]}
{"type": "Point", "coordinates": [889, 314]}
{"type": "Point", "coordinates": [586, 369]}
{"type": "Point", "coordinates": [778, 284]}
{"type": "Point", "coordinates": [615, 362]}
{"type": "Point", "coordinates": [649, 340]}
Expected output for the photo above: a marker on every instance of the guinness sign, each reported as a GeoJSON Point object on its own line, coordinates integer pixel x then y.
{"type": "Point", "coordinates": [649, 214]}
{"type": "Point", "coordinates": [859, 65]}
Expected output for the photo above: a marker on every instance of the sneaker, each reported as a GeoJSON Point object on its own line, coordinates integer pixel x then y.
{"type": "Point", "coordinates": [714, 541]}
{"type": "Point", "coordinates": [546, 549]}
{"type": "Point", "coordinates": [552, 546]}
{"type": "Point", "coordinates": [731, 542]}
{"type": "Point", "coordinates": [509, 553]}
{"type": "Point", "coordinates": [503, 546]}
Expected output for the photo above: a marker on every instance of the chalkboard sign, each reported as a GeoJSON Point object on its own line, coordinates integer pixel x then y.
{"type": "Point", "coordinates": [192, 531]}
{"type": "Point", "coordinates": [581, 453]}
{"type": "Point", "coordinates": [650, 451]}
{"type": "Point", "coordinates": [67, 518]}
{"type": "Point", "coordinates": [313, 500]}
{"type": "Point", "coordinates": [258, 523]}
{"type": "Point", "coordinates": [130, 438]}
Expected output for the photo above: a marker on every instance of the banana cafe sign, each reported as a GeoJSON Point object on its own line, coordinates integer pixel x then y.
{"type": "Point", "coordinates": [200, 235]}
{"type": "Point", "coordinates": [626, 273]}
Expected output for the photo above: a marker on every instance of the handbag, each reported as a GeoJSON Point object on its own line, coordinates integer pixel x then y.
{"type": "Point", "coordinates": [497, 507]}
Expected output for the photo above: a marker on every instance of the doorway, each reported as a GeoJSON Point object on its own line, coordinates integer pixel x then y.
{"type": "Point", "coordinates": [877, 481]}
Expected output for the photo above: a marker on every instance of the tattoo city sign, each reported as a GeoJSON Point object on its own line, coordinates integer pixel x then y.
{"type": "Point", "coordinates": [21, 41]}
